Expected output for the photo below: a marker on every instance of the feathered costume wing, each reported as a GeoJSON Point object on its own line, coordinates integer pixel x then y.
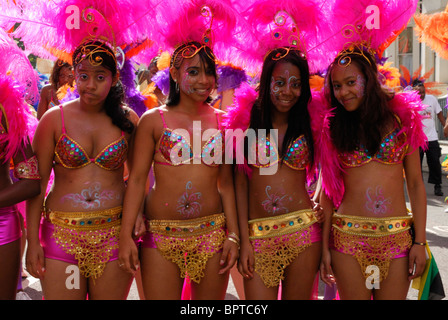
{"type": "Point", "coordinates": [17, 81]}
{"type": "Point", "coordinates": [433, 30]}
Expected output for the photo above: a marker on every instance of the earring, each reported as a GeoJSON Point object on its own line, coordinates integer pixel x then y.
{"type": "Point", "coordinates": [177, 87]}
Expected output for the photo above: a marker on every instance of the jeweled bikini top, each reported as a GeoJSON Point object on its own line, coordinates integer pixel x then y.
{"type": "Point", "coordinates": [392, 150]}
{"type": "Point", "coordinates": [170, 140]}
{"type": "Point", "coordinates": [71, 155]}
{"type": "Point", "coordinates": [296, 157]}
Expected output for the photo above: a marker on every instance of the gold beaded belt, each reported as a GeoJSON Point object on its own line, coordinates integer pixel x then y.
{"type": "Point", "coordinates": [371, 226]}
{"type": "Point", "coordinates": [85, 220]}
{"type": "Point", "coordinates": [281, 224]}
{"type": "Point", "coordinates": [190, 227]}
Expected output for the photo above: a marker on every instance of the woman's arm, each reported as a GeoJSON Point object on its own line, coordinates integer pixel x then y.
{"type": "Point", "coordinates": [227, 191]}
{"type": "Point", "coordinates": [140, 161]}
{"type": "Point", "coordinates": [43, 145]}
{"type": "Point", "coordinates": [326, 272]}
{"type": "Point", "coordinates": [417, 198]}
{"type": "Point", "coordinates": [247, 261]}
{"type": "Point", "coordinates": [27, 186]}
{"type": "Point", "coordinates": [42, 107]}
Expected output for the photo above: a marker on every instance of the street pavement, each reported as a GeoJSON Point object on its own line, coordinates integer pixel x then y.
{"type": "Point", "coordinates": [437, 236]}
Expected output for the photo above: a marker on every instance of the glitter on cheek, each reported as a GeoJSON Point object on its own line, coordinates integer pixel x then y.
{"type": "Point", "coordinates": [274, 88]}
{"type": "Point", "coordinates": [186, 84]}
{"type": "Point", "coordinates": [360, 86]}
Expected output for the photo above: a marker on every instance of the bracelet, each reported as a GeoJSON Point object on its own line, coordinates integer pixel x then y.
{"type": "Point", "coordinates": [234, 236]}
{"type": "Point", "coordinates": [420, 243]}
{"type": "Point", "coordinates": [234, 241]}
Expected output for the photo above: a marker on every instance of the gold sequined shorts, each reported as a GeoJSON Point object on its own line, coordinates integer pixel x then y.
{"type": "Point", "coordinates": [278, 240]}
{"type": "Point", "coordinates": [89, 238]}
{"type": "Point", "coordinates": [188, 243]}
{"type": "Point", "coordinates": [372, 241]}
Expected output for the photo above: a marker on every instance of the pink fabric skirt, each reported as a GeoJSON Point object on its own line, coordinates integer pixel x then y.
{"type": "Point", "coordinates": [10, 229]}
{"type": "Point", "coordinates": [51, 248]}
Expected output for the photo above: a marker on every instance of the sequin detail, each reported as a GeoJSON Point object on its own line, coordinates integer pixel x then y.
{"type": "Point", "coordinates": [296, 157]}
{"type": "Point", "coordinates": [189, 243]}
{"type": "Point", "coordinates": [71, 155]}
{"type": "Point", "coordinates": [170, 142]}
{"type": "Point", "coordinates": [392, 151]}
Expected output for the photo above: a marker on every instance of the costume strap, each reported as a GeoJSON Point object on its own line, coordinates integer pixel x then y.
{"type": "Point", "coordinates": [163, 118]}
{"type": "Point", "coordinates": [62, 119]}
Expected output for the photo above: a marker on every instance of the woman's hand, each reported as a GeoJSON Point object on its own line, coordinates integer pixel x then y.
{"type": "Point", "coordinates": [417, 261]}
{"type": "Point", "coordinates": [326, 273]}
{"type": "Point", "coordinates": [318, 212]}
{"type": "Point", "coordinates": [139, 227]}
{"type": "Point", "coordinates": [247, 261]}
{"type": "Point", "coordinates": [35, 260]}
{"type": "Point", "coordinates": [128, 255]}
{"type": "Point", "coordinates": [229, 256]}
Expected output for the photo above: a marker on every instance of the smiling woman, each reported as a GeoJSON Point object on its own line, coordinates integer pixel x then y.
{"type": "Point", "coordinates": [371, 140]}
{"type": "Point", "coordinates": [280, 233]}
{"type": "Point", "coordinates": [192, 226]}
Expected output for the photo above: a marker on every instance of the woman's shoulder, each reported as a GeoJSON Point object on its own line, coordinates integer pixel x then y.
{"type": "Point", "coordinates": [152, 116]}
{"type": "Point", "coordinates": [46, 89]}
{"type": "Point", "coordinates": [131, 114]}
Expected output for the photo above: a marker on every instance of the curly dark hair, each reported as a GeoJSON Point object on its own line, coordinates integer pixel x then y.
{"type": "Point", "coordinates": [367, 124]}
{"type": "Point", "coordinates": [115, 99]}
{"type": "Point", "coordinates": [299, 117]}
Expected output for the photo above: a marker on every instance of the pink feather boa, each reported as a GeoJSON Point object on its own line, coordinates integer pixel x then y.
{"type": "Point", "coordinates": [405, 105]}
{"type": "Point", "coordinates": [21, 123]}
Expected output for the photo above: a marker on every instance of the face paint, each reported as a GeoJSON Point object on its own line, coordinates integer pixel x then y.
{"type": "Point", "coordinates": [360, 86]}
{"type": "Point", "coordinates": [189, 204]}
{"type": "Point", "coordinates": [91, 198]}
{"type": "Point", "coordinates": [376, 203]}
{"type": "Point", "coordinates": [186, 82]}
{"type": "Point", "coordinates": [348, 86]}
{"type": "Point", "coordinates": [291, 83]}
{"type": "Point", "coordinates": [274, 203]}
{"type": "Point", "coordinates": [195, 78]}
{"type": "Point", "coordinates": [285, 86]}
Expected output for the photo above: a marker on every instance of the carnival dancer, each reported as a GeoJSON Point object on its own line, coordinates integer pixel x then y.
{"type": "Point", "coordinates": [280, 232]}
{"type": "Point", "coordinates": [16, 129]}
{"type": "Point", "coordinates": [61, 75]}
{"type": "Point", "coordinates": [87, 142]}
{"type": "Point", "coordinates": [192, 224]}
{"type": "Point", "coordinates": [370, 137]}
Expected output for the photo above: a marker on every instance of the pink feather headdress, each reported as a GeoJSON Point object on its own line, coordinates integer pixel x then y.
{"type": "Point", "coordinates": [18, 81]}
{"type": "Point", "coordinates": [214, 23]}
{"type": "Point", "coordinates": [53, 29]}
{"type": "Point", "coordinates": [370, 25]}
{"type": "Point", "coordinates": [294, 24]}
{"type": "Point", "coordinates": [19, 120]}
{"type": "Point", "coordinates": [16, 64]}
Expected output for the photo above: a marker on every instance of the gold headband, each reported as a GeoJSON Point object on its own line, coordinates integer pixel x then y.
{"type": "Point", "coordinates": [190, 50]}
{"type": "Point", "coordinates": [359, 48]}
{"type": "Point", "coordinates": [294, 40]}
{"type": "Point", "coordinates": [95, 44]}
